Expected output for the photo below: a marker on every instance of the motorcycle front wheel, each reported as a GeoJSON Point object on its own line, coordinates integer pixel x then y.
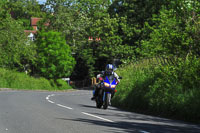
{"type": "Point", "coordinates": [106, 101]}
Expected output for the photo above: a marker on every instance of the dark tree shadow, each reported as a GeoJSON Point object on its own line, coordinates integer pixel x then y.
{"type": "Point", "coordinates": [88, 106]}
{"type": "Point", "coordinates": [133, 127]}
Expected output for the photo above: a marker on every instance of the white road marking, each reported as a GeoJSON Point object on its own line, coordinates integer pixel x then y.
{"type": "Point", "coordinates": [64, 106]}
{"type": "Point", "coordinates": [97, 117]}
{"type": "Point", "coordinates": [47, 98]}
{"type": "Point", "coordinates": [50, 101]}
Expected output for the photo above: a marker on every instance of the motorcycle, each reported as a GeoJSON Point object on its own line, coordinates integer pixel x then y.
{"type": "Point", "coordinates": [108, 88]}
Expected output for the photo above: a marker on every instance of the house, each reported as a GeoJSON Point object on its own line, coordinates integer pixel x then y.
{"type": "Point", "coordinates": [34, 23]}
{"type": "Point", "coordinates": [31, 33]}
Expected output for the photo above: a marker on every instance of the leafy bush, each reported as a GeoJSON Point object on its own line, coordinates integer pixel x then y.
{"type": "Point", "coordinates": [175, 31]}
{"type": "Point", "coordinates": [171, 91]}
{"type": "Point", "coordinates": [14, 51]}
{"type": "Point", "coordinates": [54, 56]}
{"type": "Point", "coordinates": [176, 89]}
{"type": "Point", "coordinates": [133, 87]}
{"type": "Point", "coordinates": [61, 84]}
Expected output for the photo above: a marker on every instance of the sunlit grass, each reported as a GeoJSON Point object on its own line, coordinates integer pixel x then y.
{"type": "Point", "coordinates": [162, 89]}
{"type": "Point", "coordinates": [16, 80]}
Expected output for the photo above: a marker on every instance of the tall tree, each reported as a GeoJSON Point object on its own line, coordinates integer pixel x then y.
{"type": "Point", "coordinates": [67, 17]}
{"type": "Point", "coordinates": [176, 32]}
{"type": "Point", "coordinates": [15, 51]}
{"type": "Point", "coordinates": [54, 56]}
{"type": "Point", "coordinates": [134, 14]}
{"type": "Point", "coordinates": [23, 10]}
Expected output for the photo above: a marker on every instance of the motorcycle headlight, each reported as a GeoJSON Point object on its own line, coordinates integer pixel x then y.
{"type": "Point", "coordinates": [113, 86]}
{"type": "Point", "coordinates": [106, 85]}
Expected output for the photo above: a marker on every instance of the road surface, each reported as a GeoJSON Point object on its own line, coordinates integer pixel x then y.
{"type": "Point", "coordinates": [74, 112]}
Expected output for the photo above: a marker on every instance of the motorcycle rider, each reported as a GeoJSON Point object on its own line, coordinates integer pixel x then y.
{"type": "Point", "coordinates": [108, 71]}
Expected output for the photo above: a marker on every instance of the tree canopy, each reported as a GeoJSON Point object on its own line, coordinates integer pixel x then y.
{"type": "Point", "coordinates": [15, 53]}
{"type": "Point", "coordinates": [120, 29]}
{"type": "Point", "coordinates": [54, 56]}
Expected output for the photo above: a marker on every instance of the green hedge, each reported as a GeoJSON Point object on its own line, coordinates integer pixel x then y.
{"type": "Point", "coordinates": [16, 80]}
{"type": "Point", "coordinates": [171, 91]}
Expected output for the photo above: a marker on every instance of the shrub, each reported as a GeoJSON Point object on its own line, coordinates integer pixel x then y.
{"type": "Point", "coordinates": [171, 91]}
{"type": "Point", "coordinates": [54, 56]}
{"type": "Point", "coordinates": [176, 90]}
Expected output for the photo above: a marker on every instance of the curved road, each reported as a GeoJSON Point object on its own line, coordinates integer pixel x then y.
{"type": "Point", "coordinates": [74, 112]}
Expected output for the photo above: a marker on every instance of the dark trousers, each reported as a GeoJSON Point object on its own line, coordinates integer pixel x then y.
{"type": "Point", "coordinates": [97, 88]}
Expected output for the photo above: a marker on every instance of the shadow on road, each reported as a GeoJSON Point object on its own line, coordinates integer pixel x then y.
{"type": "Point", "coordinates": [133, 127]}
{"type": "Point", "coordinates": [87, 106]}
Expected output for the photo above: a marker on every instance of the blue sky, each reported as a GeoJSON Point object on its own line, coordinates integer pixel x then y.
{"type": "Point", "coordinates": [41, 1]}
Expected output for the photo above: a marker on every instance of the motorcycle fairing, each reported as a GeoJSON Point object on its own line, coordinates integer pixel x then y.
{"type": "Point", "coordinates": [110, 82]}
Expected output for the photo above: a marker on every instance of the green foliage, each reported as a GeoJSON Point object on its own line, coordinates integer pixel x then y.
{"type": "Point", "coordinates": [23, 10]}
{"type": "Point", "coordinates": [128, 29]}
{"type": "Point", "coordinates": [97, 54]}
{"type": "Point", "coordinates": [54, 56]}
{"type": "Point", "coordinates": [4, 10]}
{"type": "Point", "coordinates": [70, 20]}
{"type": "Point", "coordinates": [133, 87]}
{"type": "Point", "coordinates": [16, 80]}
{"type": "Point", "coordinates": [170, 91]}
{"type": "Point", "coordinates": [62, 85]}
{"type": "Point", "coordinates": [175, 31]}
{"type": "Point", "coordinates": [133, 15]}
{"type": "Point", "coordinates": [107, 29]}
{"type": "Point", "coordinates": [175, 87]}
{"type": "Point", "coordinates": [167, 39]}
{"type": "Point", "coordinates": [95, 9]}
{"type": "Point", "coordinates": [15, 51]}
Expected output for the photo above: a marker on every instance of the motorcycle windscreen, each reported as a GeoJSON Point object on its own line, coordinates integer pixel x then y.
{"type": "Point", "coordinates": [112, 80]}
{"type": "Point", "coordinates": [109, 79]}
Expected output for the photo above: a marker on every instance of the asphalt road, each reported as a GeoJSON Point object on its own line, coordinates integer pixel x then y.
{"type": "Point", "coordinates": [74, 112]}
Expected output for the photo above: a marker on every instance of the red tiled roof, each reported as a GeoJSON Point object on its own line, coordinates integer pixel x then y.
{"type": "Point", "coordinates": [34, 21]}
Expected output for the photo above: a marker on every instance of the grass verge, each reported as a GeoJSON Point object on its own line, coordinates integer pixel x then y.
{"type": "Point", "coordinates": [21, 81]}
